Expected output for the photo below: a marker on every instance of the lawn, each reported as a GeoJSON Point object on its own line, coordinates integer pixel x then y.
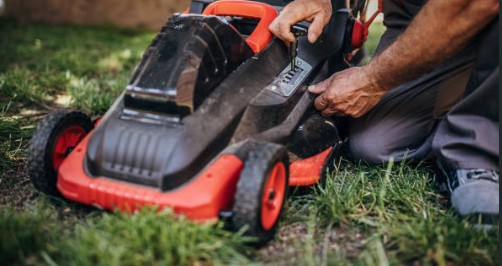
{"type": "Point", "coordinates": [388, 215]}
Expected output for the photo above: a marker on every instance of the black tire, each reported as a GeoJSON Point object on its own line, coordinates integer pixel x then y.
{"type": "Point", "coordinates": [42, 145]}
{"type": "Point", "coordinates": [247, 209]}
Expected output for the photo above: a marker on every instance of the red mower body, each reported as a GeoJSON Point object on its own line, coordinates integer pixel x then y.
{"type": "Point", "coordinates": [208, 125]}
{"type": "Point", "coordinates": [202, 199]}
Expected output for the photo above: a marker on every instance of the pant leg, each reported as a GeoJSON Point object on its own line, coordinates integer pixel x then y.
{"type": "Point", "coordinates": [402, 125]}
{"type": "Point", "coordinates": [468, 137]}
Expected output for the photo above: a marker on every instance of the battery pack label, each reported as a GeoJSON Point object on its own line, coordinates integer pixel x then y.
{"type": "Point", "coordinates": [290, 79]}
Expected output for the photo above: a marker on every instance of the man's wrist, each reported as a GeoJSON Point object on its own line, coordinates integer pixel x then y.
{"type": "Point", "coordinates": [375, 79]}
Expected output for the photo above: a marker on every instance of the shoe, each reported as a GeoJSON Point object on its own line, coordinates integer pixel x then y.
{"type": "Point", "coordinates": [473, 192]}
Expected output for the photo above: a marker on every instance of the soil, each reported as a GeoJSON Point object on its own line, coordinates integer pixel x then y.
{"type": "Point", "coordinates": [291, 245]}
{"type": "Point", "coordinates": [15, 187]}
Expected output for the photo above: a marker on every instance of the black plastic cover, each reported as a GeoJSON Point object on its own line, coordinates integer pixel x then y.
{"type": "Point", "coordinates": [155, 152]}
{"type": "Point", "coordinates": [189, 57]}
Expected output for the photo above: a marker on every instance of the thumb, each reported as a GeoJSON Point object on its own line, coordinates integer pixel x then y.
{"type": "Point", "coordinates": [319, 87]}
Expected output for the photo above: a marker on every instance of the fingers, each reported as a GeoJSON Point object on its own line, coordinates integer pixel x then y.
{"type": "Point", "coordinates": [319, 87]}
{"type": "Point", "coordinates": [321, 102]}
{"type": "Point", "coordinates": [282, 29]}
{"type": "Point", "coordinates": [316, 27]}
{"type": "Point", "coordinates": [290, 15]}
{"type": "Point", "coordinates": [328, 106]}
{"type": "Point", "coordinates": [329, 113]}
{"type": "Point", "coordinates": [346, 93]}
{"type": "Point", "coordinates": [331, 110]}
{"type": "Point", "coordinates": [318, 12]}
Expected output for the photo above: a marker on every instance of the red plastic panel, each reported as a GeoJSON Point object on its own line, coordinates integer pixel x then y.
{"type": "Point", "coordinates": [307, 172]}
{"type": "Point", "coordinates": [359, 34]}
{"type": "Point", "coordinates": [361, 27]}
{"type": "Point", "coordinates": [202, 199]}
{"type": "Point", "coordinates": [266, 13]}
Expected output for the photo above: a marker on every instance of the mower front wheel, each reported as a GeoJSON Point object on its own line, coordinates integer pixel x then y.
{"type": "Point", "coordinates": [55, 137]}
{"type": "Point", "coordinates": [261, 191]}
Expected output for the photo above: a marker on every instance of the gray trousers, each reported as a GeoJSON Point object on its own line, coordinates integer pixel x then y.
{"type": "Point", "coordinates": [450, 112]}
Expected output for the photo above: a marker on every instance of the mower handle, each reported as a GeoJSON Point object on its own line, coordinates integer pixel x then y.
{"type": "Point", "coordinates": [266, 13]}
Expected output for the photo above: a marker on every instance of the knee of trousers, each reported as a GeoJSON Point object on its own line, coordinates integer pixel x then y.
{"type": "Point", "coordinates": [371, 147]}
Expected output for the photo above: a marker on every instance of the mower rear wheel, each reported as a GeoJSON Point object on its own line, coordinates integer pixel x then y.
{"type": "Point", "coordinates": [55, 137]}
{"type": "Point", "coordinates": [261, 191]}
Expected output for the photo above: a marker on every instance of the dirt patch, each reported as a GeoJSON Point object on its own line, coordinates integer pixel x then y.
{"type": "Point", "coordinates": [15, 186]}
{"type": "Point", "coordinates": [294, 244]}
{"type": "Point", "coordinates": [17, 191]}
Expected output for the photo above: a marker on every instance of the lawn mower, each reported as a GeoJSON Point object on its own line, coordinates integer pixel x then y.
{"type": "Point", "coordinates": [216, 121]}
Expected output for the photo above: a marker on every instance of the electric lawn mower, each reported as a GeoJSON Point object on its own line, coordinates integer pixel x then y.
{"type": "Point", "coordinates": [216, 121]}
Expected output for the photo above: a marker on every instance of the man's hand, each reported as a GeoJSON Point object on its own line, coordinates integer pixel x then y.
{"type": "Point", "coordinates": [318, 12]}
{"type": "Point", "coordinates": [440, 29]}
{"type": "Point", "coordinates": [351, 92]}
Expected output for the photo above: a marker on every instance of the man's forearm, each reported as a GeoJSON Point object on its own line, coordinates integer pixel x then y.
{"type": "Point", "coordinates": [438, 31]}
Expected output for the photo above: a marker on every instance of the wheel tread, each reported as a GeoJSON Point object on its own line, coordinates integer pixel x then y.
{"type": "Point", "coordinates": [247, 204]}
{"type": "Point", "coordinates": [40, 168]}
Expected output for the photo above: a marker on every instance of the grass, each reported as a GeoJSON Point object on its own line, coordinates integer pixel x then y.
{"type": "Point", "coordinates": [13, 140]}
{"type": "Point", "coordinates": [388, 215]}
{"type": "Point", "coordinates": [402, 216]}
{"type": "Point", "coordinates": [42, 64]}
{"type": "Point", "coordinates": [38, 236]}
{"type": "Point", "coordinates": [375, 32]}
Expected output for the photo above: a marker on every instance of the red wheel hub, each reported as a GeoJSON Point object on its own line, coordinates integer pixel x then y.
{"type": "Point", "coordinates": [273, 196]}
{"type": "Point", "coordinates": [65, 143]}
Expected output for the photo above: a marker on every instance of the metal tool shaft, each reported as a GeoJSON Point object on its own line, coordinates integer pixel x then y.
{"type": "Point", "coordinates": [297, 30]}
{"type": "Point", "coordinates": [293, 51]}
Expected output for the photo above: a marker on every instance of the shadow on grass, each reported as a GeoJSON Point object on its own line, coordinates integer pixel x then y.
{"type": "Point", "coordinates": [39, 63]}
